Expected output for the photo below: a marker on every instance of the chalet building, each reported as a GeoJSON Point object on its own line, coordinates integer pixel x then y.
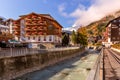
{"type": "Point", "coordinates": [112, 34]}
{"type": "Point", "coordinates": [9, 23]}
{"type": "Point", "coordinates": [4, 30]}
{"type": "Point", "coordinates": [3, 27]}
{"type": "Point", "coordinates": [37, 28]}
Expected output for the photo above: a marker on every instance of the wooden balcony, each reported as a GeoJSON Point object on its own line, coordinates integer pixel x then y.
{"type": "Point", "coordinates": [27, 29]}
{"type": "Point", "coordinates": [27, 33]}
{"type": "Point", "coordinates": [16, 27]}
{"type": "Point", "coordinates": [36, 23]}
{"type": "Point", "coordinates": [40, 33]}
{"type": "Point", "coordinates": [40, 28]}
{"type": "Point", "coordinates": [16, 33]}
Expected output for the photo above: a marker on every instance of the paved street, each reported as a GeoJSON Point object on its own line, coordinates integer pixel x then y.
{"type": "Point", "coordinates": [73, 69]}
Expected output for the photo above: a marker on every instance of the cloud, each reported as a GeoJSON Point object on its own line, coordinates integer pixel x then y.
{"type": "Point", "coordinates": [61, 9]}
{"type": "Point", "coordinates": [97, 10]}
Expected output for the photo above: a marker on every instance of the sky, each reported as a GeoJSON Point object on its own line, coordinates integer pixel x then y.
{"type": "Point", "coordinates": [67, 12]}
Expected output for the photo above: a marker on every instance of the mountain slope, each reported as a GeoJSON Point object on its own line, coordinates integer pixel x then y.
{"type": "Point", "coordinates": [98, 27]}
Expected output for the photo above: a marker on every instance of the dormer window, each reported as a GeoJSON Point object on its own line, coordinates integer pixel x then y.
{"type": "Point", "coordinates": [50, 27]}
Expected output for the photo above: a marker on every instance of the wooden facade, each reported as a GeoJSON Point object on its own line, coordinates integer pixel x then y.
{"type": "Point", "coordinates": [36, 26]}
{"type": "Point", "coordinates": [112, 34]}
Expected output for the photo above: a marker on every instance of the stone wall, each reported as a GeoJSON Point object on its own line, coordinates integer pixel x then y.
{"type": "Point", "coordinates": [11, 67]}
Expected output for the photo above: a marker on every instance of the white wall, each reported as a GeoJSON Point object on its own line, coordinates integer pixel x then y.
{"type": "Point", "coordinates": [54, 39]}
{"type": "Point", "coordinates": [4, 28]}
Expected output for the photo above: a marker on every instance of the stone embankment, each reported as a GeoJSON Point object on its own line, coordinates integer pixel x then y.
{"type": "Point", "coordinates": [11, 67]}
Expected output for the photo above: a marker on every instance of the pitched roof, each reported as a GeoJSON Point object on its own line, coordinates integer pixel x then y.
{"type": "Point", "coordinates": [48, 16]}
{"type": "Point", "coordinates": [112, 21]}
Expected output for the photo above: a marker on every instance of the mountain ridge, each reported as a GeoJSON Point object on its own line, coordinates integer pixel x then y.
{"type": "Point", "coordinates": [98, 27]}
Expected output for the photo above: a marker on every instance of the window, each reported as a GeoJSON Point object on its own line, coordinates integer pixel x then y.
{"type": "Point", "coordinates": [50, 38]}
{"type": "Point", "coordinates": [28, 38]}
{"type": "Point", "coordinates": [113, 38]}
{"type": "Point", "coordinates": [118, 38]}
{"type": "Point", "coordinates": [50, 27]}
{"type": "Point", "coordinates": [114, 20]}
{"type": "Point", "coordinates": [33, 38]}
{"type": "Point", "coordinates": [39, 39]}
{"type": "Point", "coordinates": [44, 38]}
{"type": "Point", "coordinates": [45, 28]}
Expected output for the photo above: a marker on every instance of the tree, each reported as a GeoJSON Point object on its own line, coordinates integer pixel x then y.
{"type": "Point", "coordinates": [82, 30]}
{"type": "Point", "coordinates": [74, 37]}
{"type": "Point", "coordinates": [65, 39]}
{"type": "Point", "coordinates": [81, 39]}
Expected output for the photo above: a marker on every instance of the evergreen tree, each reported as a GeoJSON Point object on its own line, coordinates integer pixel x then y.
{"type": "Point", "coordinates": [65, 39]}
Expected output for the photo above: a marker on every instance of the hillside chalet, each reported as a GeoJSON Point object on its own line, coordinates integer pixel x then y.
{"type": "Point", "coordinates": [112, 34]}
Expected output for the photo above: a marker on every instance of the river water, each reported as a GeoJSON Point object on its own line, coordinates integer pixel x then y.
{"type": "Point", "coordinates": [76, 68]}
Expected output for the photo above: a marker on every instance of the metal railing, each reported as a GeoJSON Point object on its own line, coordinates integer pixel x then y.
{"type": "Point", "coordinates": [99, 67]}
{"type": "Point", "coordinates": [11, 52]}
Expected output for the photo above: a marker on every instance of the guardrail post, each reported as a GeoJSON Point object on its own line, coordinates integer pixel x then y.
{"type": "Point", "coordinates": [11, 51]}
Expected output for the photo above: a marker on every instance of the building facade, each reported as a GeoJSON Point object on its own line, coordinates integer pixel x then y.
{"type": "Point", "coordinates": [37, 28]}
{"type": "Point", "coordinates": [4, 30]}
{"type": "Point", "coordinates": [112, 34]}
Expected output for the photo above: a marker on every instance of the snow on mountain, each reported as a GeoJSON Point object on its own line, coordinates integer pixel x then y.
{"type": "Point", "coordinates": [74, 27]}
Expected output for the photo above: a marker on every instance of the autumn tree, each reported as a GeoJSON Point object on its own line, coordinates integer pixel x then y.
{"type": "Point", "coordinates": [74, 37]}
{"type": "Point", "coordinates": [79, 38]}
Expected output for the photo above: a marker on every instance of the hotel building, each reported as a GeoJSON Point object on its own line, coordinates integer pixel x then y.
{"type": "Point", "coordinates": [37, 28]}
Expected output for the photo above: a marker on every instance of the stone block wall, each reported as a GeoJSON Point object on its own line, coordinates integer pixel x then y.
{"type": "Point", "coordinates": [11, 67]}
